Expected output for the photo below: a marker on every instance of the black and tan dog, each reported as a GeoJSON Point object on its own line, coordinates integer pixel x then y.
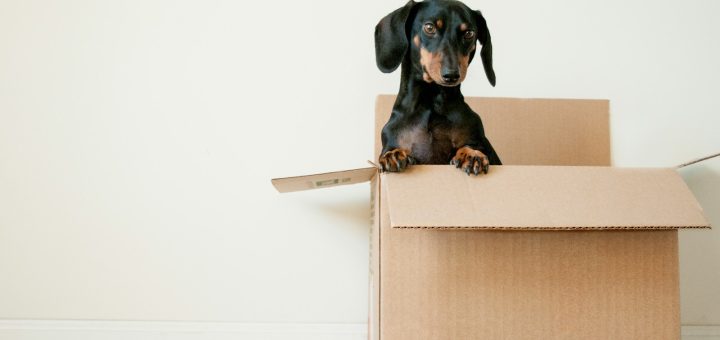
{"type": "Point", "coordinates": [435, 41]}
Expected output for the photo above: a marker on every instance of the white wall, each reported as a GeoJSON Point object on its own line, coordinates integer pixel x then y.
{"type": "Point", "coordinates": [138, 138]}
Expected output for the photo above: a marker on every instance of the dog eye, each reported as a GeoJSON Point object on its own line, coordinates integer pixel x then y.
{"type": "Point", "coordinates": [429, 28]}
{"type": "Point", "coordinates": [469, 35]}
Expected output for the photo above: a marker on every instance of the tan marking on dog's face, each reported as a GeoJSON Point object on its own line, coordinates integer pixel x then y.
{"type": "Point", "coordinates": [463, 27]}
{"type": "Point", "coordinates": [416, 40]}
{"type": "Point", "coordinates": [439, 24]}
{"type": "Point", "coordinates": [426, 77]}
{"type": "Point", "coordinates": [431, 63]}
{"type": "Point", "coordinates": [464, 62]}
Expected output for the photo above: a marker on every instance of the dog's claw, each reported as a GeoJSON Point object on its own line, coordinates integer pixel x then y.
{"type": "Point", "coordinates": [395, 160]}
{"type": "Point", "coordinates": [470, 161]}
{"type": "Point", "coordinates": [392, 162]}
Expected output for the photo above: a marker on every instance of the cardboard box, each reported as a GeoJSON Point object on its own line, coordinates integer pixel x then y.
{"type": "Point", "coordinates": [555, 244]}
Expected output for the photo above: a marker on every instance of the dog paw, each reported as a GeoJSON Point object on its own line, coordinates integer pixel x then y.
{"type": "Point", "coordinates": [470, 160]}
{"type": "Point", "coordinates": [396, 160]}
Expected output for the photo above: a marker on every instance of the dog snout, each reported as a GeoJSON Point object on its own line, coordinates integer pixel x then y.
{"type": "Point", "coordinates": [450, 76]}
{"type": "Point", "coordinates": [450, 70]}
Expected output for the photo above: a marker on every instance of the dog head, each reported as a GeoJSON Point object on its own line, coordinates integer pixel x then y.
{"type": "Point", "coordinates": [440, 37]}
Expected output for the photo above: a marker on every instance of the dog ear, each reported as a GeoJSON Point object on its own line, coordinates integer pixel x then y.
{"type": "Point", "coordinates": [483, 36]}
{"type": "Point", "coordinates": [391, 40]}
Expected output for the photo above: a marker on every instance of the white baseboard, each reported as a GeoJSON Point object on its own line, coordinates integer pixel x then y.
{"type": "Point", "coordinates": [162, 330]}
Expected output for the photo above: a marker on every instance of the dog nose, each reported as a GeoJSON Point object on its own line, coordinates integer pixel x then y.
{"type": "Point", "coordinates": [450, 77]}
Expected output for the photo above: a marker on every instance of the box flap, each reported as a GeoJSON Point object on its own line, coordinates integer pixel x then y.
{"type": "Point", "coordinates": [542, 197]}
{"type": "Point", "coordinates": [323, 180]}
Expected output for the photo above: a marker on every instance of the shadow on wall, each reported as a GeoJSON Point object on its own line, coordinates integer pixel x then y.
{"type": "Point", "coordinates": [700, 249]}
{"type": "Point", "coordinates": [353, 208]}
{"type": "Point", "coordinates": [704, 181]}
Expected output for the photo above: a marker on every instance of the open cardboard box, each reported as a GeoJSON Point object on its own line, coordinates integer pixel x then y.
{"type": "Point", "coordinates": [553, 245]}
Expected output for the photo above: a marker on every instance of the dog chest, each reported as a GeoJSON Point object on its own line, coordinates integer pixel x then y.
{"type": "Point", "coordinates": [433, 139]}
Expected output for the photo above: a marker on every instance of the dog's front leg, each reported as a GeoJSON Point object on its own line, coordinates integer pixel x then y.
{"type": "Point", "coordinates": [395, 157]}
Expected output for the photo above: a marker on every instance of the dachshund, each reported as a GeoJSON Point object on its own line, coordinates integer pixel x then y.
{"type": "Point", "coordinates": [434, 41]}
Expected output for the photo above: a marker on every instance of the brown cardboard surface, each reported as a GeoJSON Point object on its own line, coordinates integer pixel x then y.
{"type": "Point", "coordinates": [480, 284]}
{"type": "Point", "coordinates": [542, 197]}
{"type": "Point", "coordinates": [529, 284]}
{"type": "Point", "coordinates": [323, 180]}
{"type": "Point", "coordinates": [535, 131]}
